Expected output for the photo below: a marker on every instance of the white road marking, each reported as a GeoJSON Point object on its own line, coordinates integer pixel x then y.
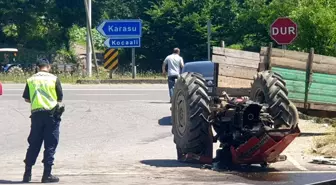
{"type": "Point", "coordinates": [103, 173]}
{"type": "Point", "coordinates": [321, 182]}
{"type": "Point", "coordinates": [141, 173]}
{"type": "Point", "coordinates": [158, 101]}
{"type": "Point", "coordinates": [75, 101]}
{"type": "Point", "coordinates": [295, 172]}
{"type": "Point", "coordinates": [11, 95]}
{"type": "Point", "coordinates": [89, 94]}
{"type": "Point", "coordinates": [296, 164]}
{"type": "Point", "coordinates": [110, 94]}
{"type": "Point", "coordinates": [144, 89]}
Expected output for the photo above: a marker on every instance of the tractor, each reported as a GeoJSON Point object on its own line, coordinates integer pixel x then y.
{"type": "Point", "coordinates": [8, 61]}
{"type": "Point", "coordinates": [252, 129]}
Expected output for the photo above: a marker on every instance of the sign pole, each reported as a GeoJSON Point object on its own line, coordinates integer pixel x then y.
{"type": "Point", "coordinates": [284, 47]}
{"type": "Point", "coordinates": [133, 63]}
{"type": "Point", "coordinates": [88, 41]}
{"type": "Point", "coordinates": [209, 37]}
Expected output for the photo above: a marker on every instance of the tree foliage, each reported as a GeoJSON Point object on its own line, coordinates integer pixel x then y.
{"type": "Point", "coordinates": [242, 24]}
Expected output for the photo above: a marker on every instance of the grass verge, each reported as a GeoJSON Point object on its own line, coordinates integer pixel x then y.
{"type": "Point", "coordinates": [319, 120]}
{"type": "Point", "coordinates": [72, 78]}
{"type": "Point", "coordinates": [325, 145]}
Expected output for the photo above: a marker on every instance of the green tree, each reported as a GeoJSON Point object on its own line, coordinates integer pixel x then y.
{"type": "Point", "coordinates": [243, 24]}
{"type": "Point", "coordinates": [317, 26]}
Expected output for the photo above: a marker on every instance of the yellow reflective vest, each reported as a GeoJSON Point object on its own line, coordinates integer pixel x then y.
{"type": "Point", "coordinates": [42, 91]}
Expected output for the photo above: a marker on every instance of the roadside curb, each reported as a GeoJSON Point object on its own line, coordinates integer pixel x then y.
{"type": "Point", "coordinates": [123, 81]}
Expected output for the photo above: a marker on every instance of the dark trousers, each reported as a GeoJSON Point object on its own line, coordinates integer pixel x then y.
{"type": "Point", "coordinates": [44, 128]}
{"type": "Point", "coordinates": [171, 84]}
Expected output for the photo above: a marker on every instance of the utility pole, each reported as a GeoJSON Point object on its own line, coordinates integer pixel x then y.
{"type": "Point", "coordinates": [88, 40]}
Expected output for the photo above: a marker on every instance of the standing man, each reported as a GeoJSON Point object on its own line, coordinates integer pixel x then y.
{"type": "Point", "coordinates": [175, 64]}
{"type": "Point", "coordinates": [44, 92]}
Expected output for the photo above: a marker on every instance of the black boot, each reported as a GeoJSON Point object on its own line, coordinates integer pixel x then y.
{"type": "Point", "coordinates": [47, 176]}
{"type": "Point", "coordinates": [27, 174]}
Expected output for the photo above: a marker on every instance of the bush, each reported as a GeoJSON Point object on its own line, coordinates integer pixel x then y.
{"type": "Point", "coordinates": [78, 35]}
{"type": "Point", "coordinates": [64, 56]}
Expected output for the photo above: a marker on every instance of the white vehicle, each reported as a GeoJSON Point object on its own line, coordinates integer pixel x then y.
{"type": "Point", "coordinates": [8, 60]}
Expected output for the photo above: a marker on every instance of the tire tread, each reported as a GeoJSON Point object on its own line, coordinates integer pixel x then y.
{"type": "Point", "coordinates": [197, 136]}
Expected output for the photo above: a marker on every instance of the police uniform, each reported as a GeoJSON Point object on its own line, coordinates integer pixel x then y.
{"type": "Point", "coordinates": [43, 90]}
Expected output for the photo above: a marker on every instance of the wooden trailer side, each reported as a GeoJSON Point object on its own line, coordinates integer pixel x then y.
{"type": "Point", "coordinates": [310, 78]}
{"type": "Point", "coordinates": [236, 70]}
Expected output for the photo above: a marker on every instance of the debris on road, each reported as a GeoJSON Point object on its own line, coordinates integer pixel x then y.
{"type": "Point", "coordinates": [324, 160]}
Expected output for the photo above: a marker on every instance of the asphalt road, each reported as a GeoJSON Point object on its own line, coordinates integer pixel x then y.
{"type": "Point", "coordinates": [121, 134]}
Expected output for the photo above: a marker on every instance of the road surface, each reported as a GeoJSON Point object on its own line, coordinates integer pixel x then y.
{"type": "Point", "coordinates": [121, 134]}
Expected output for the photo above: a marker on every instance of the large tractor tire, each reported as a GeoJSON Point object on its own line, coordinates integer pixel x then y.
{"type": "Point", "coordinates": [190, 116]}
{"type": "Point", "coordinates": [269, 88]}
{"type": "Point", "coordinates": [16, 70]}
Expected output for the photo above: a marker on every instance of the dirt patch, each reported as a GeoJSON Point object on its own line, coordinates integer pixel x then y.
{"type": "Point", "coordinates": [321, 133]}
{"type": "Point", "coordinates": [304, 147]}
{"type": "Point", "coordinates": [79, 50]}
{"type": "Point", "coordinates": [326, 145]}
{"type": "Point", "coordinates": [330, 121]}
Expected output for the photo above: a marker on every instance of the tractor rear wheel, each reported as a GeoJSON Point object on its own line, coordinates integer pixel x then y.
{"type": "Point", "coordinates": [269, 88]}
{"type": "Point", "coordinates": [16, 70]}
{"type": "Point", "coordinates": [190, 116]}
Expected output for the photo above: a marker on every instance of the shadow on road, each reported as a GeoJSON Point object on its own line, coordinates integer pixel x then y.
{"type": "Point", "coordinates": [253, 169]}
{"type": "Point", "coordinates": [10, 182]}
{"type": "Point", "coordinates": [168, 163]}
{"type": "Point", "coordinates": [165, 121]}
{"type": "Point", "coordinates": [309, 134]}
{"type": "Point", "coordinates": [160, 102]}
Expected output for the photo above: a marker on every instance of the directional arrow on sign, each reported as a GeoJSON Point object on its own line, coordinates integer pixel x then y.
{"type": "Point", "coordinates": [121, 28]}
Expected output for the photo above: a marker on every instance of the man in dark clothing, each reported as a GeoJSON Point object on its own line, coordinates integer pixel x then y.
{"type": "Point", "coordinates": [44, 92]}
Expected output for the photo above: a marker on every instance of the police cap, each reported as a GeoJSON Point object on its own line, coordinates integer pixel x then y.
{"type": "Point", "coordinates": [43, 63]}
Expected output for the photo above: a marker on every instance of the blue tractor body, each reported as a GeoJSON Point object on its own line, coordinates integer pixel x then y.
{"type": "Point", "coordinates": [7, 67]}
{"type": "Point", "coordinates": [209, 71]}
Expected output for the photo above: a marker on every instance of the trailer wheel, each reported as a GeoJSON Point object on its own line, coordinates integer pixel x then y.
{"type": "Point", "coordinates": [190, 113]}
{"type": "Point", "coordinates": [269, 87]}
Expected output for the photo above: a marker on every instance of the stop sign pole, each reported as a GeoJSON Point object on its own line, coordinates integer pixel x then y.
{"type": "Point", "coordinates": [283, 31]}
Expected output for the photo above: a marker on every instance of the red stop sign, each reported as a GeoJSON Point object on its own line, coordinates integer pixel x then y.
{"type": "Point", "coordinates": [283, 31]}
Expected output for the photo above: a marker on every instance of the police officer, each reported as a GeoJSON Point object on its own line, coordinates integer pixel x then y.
{"type": "Point", "coordinates": [44, 92]}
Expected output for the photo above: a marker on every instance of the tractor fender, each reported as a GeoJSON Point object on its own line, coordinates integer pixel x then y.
{"type": "Point", "coordinates": [8, 66]}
